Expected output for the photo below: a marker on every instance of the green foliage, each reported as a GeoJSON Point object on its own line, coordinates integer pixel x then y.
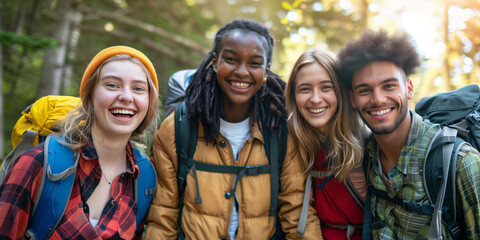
{"type": "Point", "coordinates": [29, 43]}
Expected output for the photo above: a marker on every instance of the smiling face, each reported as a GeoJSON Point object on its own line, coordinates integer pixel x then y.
{"type": "Point", "coordinates": [241, 65]}
{"type": "Point", "coordinates": [120, 99]}
{"type": "Point", "coordinates": [315, 96]}
{"type": "Point", "coordinates": [380, 94]}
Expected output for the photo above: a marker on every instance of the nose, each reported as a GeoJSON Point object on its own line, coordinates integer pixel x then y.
{"type": "Point", "coordinates": [316, 97]}
{"type": "Point", "coordinates": [125, 95]}
{"type": "Point", "coordinates": [378, 98]}
{"type": "Point", "coordinates": [241, 70]}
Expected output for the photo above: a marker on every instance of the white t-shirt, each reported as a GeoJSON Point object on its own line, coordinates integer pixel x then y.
{"type": "Point", "coordinates": [236, 134]}
{"type": "Point", "coordinates": [94, 222]}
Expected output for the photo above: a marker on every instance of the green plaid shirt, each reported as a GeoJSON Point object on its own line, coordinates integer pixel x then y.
{"type": "Point", "coordinates": [405, 181]}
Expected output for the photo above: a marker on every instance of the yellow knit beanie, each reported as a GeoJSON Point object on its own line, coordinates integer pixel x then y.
{"type": "Point", "coordinates": [116, 50]}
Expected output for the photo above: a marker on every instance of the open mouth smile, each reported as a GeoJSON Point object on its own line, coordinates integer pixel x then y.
{"type": "Point", "coordinates": [123, 113]}
{"type": "Point", "coordinates": [242, 85]}
{"type": "Point", "coordinates": [380, 112]}
{"type": "Point", "coordinates": [316, 110]}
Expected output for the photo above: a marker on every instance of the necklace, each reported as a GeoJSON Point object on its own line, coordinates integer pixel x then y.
{"type": "Point", "coordinates": [109, 182]}
{"type": "Point", "coordinates": [383, 159]}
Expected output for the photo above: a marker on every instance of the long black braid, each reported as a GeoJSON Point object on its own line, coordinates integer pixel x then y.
{"type": "Point", "coordinates": [205, 95]}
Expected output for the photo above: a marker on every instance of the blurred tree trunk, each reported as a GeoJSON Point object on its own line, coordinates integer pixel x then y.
{"type": "Point", "coordinates": [54, 61]}
{"type": "Point", "coordinates": [74, 37]}
{"type": "Point", "coordinates": [23, 26]}
{"type": "Point", "coordinates": [446, 64]}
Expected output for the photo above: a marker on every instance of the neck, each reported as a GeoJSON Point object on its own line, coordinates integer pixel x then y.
{"type": "Point", "coordinates": [110, 149]}
{"type": "Point", "coordinates": [235, 112]}
{"type": "Point", "coordinates": [391, 144]}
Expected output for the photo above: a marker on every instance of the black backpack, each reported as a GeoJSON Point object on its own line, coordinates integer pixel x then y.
{"type": "Point", "coordinates": [186, 141]}
{"type": "Point", "coordinates": [458, 113]}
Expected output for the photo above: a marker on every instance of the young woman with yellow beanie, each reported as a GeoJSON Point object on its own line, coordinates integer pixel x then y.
{"type": "Point", "coordinates": [119, 98]}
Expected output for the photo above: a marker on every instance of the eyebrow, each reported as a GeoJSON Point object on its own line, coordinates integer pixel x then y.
{"type": "Point", "coordinates": [121, 79]}
{"type": "Point", "coordinates": [309, 84]}
{"type": "Point", "coordinates": [383, 82]}
{"type": "Point", "coordinates": [254, 56]}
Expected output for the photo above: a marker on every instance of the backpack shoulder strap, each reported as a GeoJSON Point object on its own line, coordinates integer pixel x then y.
{"type": "Point", "coordinates": [367, 210]}
{"type": "Point", "coordinates": [145, 185]}
{"type": "Point", "coordinates": [27, 139]}
{"type": "Point", "coordinates": [441, 161]}
{"type": "Point", "coordinates": [352, 186]}
{"type": "Point", "coordinates": [185, 143]}
{"type": "Point", "coordinates": [275, 149]}
{"type": "Point", "coordinates": [59, 167]}
{"type": "Point", "coordinates": [302, 221]}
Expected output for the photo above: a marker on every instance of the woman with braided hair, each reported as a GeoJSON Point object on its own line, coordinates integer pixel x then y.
{"type": "Point", "coordinates": [233, 98]}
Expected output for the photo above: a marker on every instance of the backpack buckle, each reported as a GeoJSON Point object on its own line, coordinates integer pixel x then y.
{"type": "Point", "coordinates": [252, 170]}
{"type": "Point", "coordinates": [417, 207]}
{"type": "Point", "coordinates": [454, 229]}
{"type": "Point", "coordinates": [474, 117]}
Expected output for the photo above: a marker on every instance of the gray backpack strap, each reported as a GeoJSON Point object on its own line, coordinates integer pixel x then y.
{"type": "Point", "coordinates": [27, 139]}
{"type": "Point", "coordinates": [435, 231]}
{"type": "Point", "coordinates": [302, 222]}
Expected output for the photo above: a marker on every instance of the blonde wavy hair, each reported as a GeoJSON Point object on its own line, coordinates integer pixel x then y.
{"type": "Point", "coordinates": [77, 125]}
{"type": "Point", "coordinates": [344, 140]}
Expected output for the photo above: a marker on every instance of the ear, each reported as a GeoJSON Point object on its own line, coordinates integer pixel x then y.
{"type": "Point", "coordinates": [267, 70]}
{"type": "Point", "coordinates": [409, 89]}
{"type": "Point", "coordinates": [350, 93]}
{"type": "Point", "coordinates": [214, 60]}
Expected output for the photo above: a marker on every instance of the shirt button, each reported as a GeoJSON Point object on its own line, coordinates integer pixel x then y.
{"type": "Point", "coordinates": [223, 143]}
{"type": "Point", "coordinates": [228, 195]}
{"type": "Point", "coordinates": [223, 238]}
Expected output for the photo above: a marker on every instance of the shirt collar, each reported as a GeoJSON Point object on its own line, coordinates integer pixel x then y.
{"type": "Point", "coordinates": [88, 152]}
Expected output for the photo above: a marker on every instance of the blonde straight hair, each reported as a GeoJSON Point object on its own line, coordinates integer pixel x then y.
{"type": "Point", "coordinates": [77, 125]}
{"type": "Point", "coordinates": [344, 140]}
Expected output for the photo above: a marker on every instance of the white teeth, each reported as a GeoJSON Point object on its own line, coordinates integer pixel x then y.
{"type": "Point", "coordinates": [241, 84]}
{"type": "Point", "coordinates": [317, 110]}
{"type": "Point", "coordinates": [377, 113]}
{"type": "Point", "coordinates": [122, 111]}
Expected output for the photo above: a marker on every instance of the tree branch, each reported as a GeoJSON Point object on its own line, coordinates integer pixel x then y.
{"type": "Point", "coordinates": [147, 27]}
{"type": "Point", "coordinates": [142, 40]}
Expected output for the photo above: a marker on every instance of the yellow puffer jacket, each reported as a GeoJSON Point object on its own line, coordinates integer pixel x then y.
{"type": "Point", "coordinates": [210, 219]}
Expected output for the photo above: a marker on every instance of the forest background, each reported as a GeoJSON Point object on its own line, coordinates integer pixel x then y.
{"type": "Point", "coordinates": [47, 44]}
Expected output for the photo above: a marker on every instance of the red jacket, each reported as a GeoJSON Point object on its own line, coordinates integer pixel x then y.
{"type": "Point", "coordinates": [335, 205]}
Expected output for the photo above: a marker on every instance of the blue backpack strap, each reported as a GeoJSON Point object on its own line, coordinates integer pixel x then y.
{"type": "Point", "coordinates": [57, 181]}
{"type": "Point", "coordinates": [145, 185]}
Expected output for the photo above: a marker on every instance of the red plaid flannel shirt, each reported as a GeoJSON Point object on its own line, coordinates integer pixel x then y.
{"type": "Point", "coordinates": [20, 187]}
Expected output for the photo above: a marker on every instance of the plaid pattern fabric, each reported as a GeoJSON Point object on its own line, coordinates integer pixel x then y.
{"type": "Point", "coordinates": [405, 181]}
{"type": "Point", "coordinates": [21, 184]}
